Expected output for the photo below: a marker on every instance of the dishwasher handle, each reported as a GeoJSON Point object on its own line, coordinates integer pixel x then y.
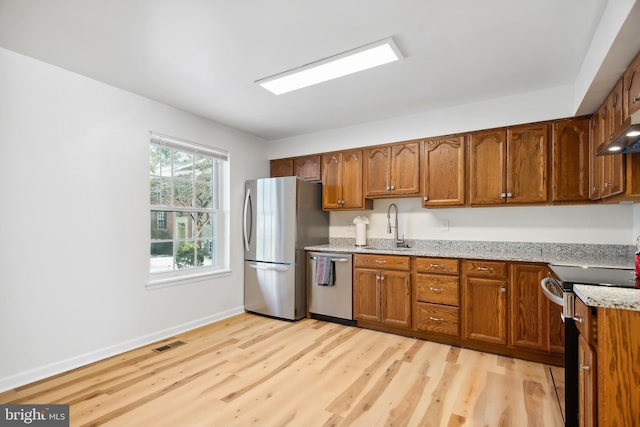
{"type": "Point", "coordinates": [333, 259]}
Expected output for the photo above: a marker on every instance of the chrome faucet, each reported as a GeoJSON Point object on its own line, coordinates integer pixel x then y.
{"type": "Point", "coordinates": [396, 242]}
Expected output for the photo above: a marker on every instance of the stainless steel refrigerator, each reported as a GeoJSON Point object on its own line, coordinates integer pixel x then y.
{"type": "Point", "coordinates": [280, 217]}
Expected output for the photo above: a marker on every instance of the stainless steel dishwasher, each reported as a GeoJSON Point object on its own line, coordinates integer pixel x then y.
{"type": "Point", "coordinates": [331, 303]}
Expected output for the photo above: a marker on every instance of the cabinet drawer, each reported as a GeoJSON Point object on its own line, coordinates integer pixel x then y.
{"type": "Point", "coordinates": [485, 269]}
{"type": "Point", "coordinates": [391, 262]}
{"type": "Point", "coordinates": [437, 318]}
{"type": "Point", "coordinates": [584, 320]}
{"type": "Point", "coordinates": [438, 289]}
{"type": "Point", "coordinates": [437, 265]}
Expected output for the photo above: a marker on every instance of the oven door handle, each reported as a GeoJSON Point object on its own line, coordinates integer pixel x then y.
{"type": "Point", "coordinates": [552, 297]}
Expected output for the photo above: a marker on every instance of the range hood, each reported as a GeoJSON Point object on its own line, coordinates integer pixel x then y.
{"type": "Point", "coordinates": [627, 141]}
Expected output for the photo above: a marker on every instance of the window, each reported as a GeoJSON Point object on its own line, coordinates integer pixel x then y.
{"type": "Point", "coordinates": [188, 188]}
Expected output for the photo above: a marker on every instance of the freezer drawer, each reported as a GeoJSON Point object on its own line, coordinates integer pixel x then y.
{"type": "Point", "coordinates": [270, 289]}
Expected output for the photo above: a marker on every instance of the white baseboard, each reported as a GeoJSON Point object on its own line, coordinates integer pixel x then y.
{"type": "Point", "coordinates": [36, 374]}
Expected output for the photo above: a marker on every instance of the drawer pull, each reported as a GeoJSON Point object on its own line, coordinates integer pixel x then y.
{"type": "Point", "coordinates": [436, 319]}
{"type": "Point", "coordinates": [436, 290]}
{"type": "Point", "coordinates": [381, 261]}
{"type": "Point", "coordinates": [485, 268]}
{"type": "Point", "coordinates": [578, 319]}
{"type": "Point", "coordinates": [436, 265]}
{"type": "Point", "coordinates": [585, 367]}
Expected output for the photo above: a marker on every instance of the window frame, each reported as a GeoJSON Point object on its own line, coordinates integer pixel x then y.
{"type": "Point", "coordinates": [219, 211]}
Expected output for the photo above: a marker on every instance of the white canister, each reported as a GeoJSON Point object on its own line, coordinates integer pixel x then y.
{"type": "Point", "coordinates": [361, 230]}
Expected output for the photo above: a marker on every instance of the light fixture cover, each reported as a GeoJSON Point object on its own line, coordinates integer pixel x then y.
{"type": "Point", "coordinates": [352, 61]}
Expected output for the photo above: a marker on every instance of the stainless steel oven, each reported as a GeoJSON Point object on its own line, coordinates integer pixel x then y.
{"type": "Point", "coordinates": [559, 290]}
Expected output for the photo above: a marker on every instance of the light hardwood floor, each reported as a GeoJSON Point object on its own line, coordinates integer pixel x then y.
{"type": "Point", "coordinates": [252, 370]}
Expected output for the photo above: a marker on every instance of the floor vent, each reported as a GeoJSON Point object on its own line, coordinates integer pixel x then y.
{"type": "Point", "coordinates": [169, 346]}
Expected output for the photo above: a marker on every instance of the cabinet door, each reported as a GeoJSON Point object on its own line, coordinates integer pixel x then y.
{"type": "Point", "coordinates": [587, 415]}
{"type": "Point", "coordinates": [612, 175]}
{"type": "Point", "coordinates": [307, 168]}
{"type": "Point", "coordinates": [570, 152]}
{"type": "Point", "coordinates": [443, 172]}
{"type": "Point", "coordinates": [529, 307]}
{"type": "Point", "coordinates": [595, 162]}
{"type": "Point", "coordinates": [405, 169]}
{"type": "Point", "coordinates": [352, 180]}
{"type": "Point", "coordinates": [615, 112]}
{"type": "Point", "coordinates": [378, 174]}
{"type": "Point", "coordinates": [281, 167]}
{"type": "Point", "coordinates": [556, 329]}
{"type": "Point", "coordinates": [631, 91]}
{"type": "Point", "coordinates": [485, 310]}
{"type": "Point", "coordinates": [487, 167]}
{"type": "Point", "coordinates": [527, 164]}
{"type": "Point", "coordinates": [331, 181]}
{"type": "Point", "coordinates": [366, 295]}
{"type": "Point", "coordinates": [396, 298]}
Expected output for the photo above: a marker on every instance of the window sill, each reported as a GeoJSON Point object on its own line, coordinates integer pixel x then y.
{"type": "Point", "coordinates": [174, 281]}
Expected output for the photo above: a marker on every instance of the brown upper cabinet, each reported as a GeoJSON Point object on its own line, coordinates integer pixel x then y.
{"type": "Point", "coordinates": [614, 114]}
{"type": "Point", "coordinates": [392, 170]}
{"type": "Point", "coordinates": [307, 168]}
{"type": "Point", "coordinates": [281, 167]}
{"type": "Point", "coordinates": [509, 166]}
{"type": "Point", "coordinates": [606, 173]}
{"type": "Point", "coordinates": [342, 187]}
{"type": "Point", "coordinates": [631, 90]}
{"type": "Point", "coordinates": [570, 158]}
{"type": "Point", "coordinates": [443, 171]}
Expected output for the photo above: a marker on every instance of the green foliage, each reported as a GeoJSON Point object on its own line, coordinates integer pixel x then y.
{"type": "Point", "coordinates": [186, 255]}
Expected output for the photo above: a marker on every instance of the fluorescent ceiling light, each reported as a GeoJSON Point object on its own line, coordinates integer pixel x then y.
{"type": "Point", "coordinates": [362, 58]}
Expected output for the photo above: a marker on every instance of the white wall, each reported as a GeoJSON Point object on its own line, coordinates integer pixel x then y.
{"type": "Point", "coordinates": [601, 224]}
{"type": "Point", "coordinates": [75, 221]}
{"type": "Point", "coordinates": [515, 109]}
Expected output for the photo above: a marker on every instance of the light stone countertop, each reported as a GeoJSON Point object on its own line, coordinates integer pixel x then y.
{"type": "Point", "coordinates": [594, 255]}
{"type": "Point", "coordinates": [606, 296]}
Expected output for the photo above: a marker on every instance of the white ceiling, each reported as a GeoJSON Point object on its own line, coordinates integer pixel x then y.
{"type": "Point", "coordinates": [203, 56]}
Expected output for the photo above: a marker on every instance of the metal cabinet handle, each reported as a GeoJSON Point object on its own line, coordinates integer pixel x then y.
{"type": "Point", "coordinates": [585, 367]}
{"type": "Point", "coordinates": [436, 265]}
{"type": "Point", "coordinates": [503, 195]}
{"type": "Point", "coordinates": [485, 268]}
{"type": "Point", "coordinates": [635, 100]}
{"type": "Point", "coordinates": [503, 290]}
{"type": "Point", "coordinates": [393, 187]}
{"type": "Point", "coordinates": [578, 319]}
{"type": "Point", "coordinates": [388, 187]}
{"type": "Point", "coordinates": [436, 319]}
{"type": "Point", "coordinates": [436, 290]}
{"type": "Point", "coordinates": [425, 198]}
{"type": "Point", "coordinates": [509, 195]}
{"type": "Point", "coordinates": [380, 261]}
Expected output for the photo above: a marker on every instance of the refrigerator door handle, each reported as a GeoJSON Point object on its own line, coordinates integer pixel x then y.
{"type": "Point", "coordinates": [246, 235]}
{"type": "Point", "coordinates": [268, 268]}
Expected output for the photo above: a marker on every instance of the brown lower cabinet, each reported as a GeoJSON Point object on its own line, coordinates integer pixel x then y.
{"type": "Point", "coordinates": [382, 290]}
{"type": "Point", "coordinates": [492, 306]}
{"type": "Point", "coordinates": [618, 367]}
{"type": "Point", "coordinates": [484, 289]}
{"type": "Point", "coordinates": [437, 296]}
